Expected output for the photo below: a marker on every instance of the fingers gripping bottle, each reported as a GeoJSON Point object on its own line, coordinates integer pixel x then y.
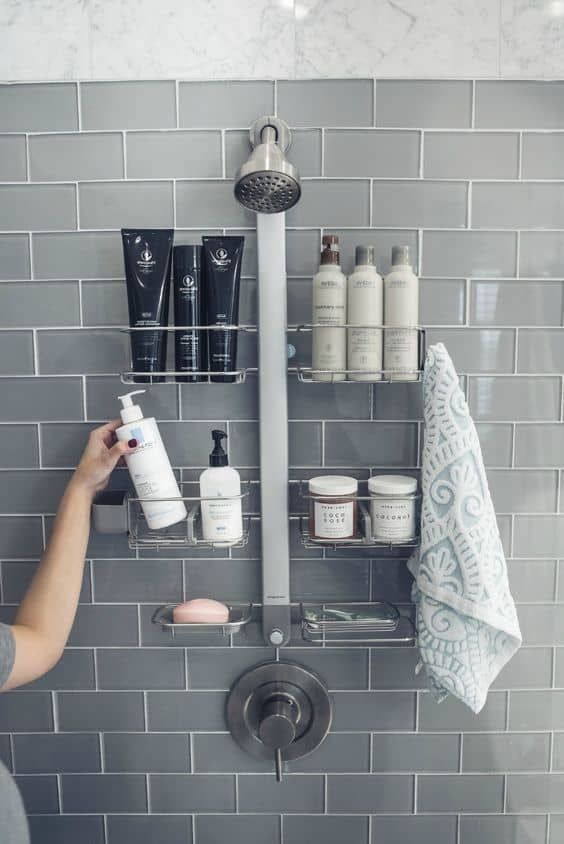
{"type": "Point", "coordinates": [150, 467]}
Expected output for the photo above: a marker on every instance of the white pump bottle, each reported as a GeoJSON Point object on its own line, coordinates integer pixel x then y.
{"type": "Point", "coordinates": [150, 467]}
{"type": "Point", "coordinates": [220, 488]}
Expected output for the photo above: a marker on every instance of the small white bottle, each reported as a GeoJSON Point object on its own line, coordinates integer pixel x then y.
{"type": "Point", "coordinates": [329, 344]}
{"type": "Point", "coordinates": [401, 310]}
{"type": "Point", "coordinates": [220, 489]}
{"type": "Point", "coordinates": [150, 467]}
{"type": "Point", "coordinates": [365, 307]}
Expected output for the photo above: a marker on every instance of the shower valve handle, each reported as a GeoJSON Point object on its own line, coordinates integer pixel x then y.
{"type": "Point", "coordinates": [277, 728]}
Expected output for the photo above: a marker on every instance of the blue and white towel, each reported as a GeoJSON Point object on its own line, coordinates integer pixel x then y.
{"type": "Point", "coordinates": [467, 624]}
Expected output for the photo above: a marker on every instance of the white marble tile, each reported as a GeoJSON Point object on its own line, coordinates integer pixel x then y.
{"type": "Point", "coordinates": [44, 40]}
{"type": "Point", "coordinates": [532, 38]}
{"type": "Point", "coordinates": [397, 38]}
{"type": "Point", "coordinates": [195, 39]}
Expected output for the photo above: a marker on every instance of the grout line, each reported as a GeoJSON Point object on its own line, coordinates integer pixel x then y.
{"type": "Point", "coordinates": [516, 350]}
{"type": "Point", "coordinates": [275, 97]}
{"type": "Point", "coordinates": [370, 201]}
{"type": "Point", "coordinates": [177, 102]}
{"type": "Point", "coordinates": [469, 206]}
{"type": "Point", "coordinates": [518, 256]}
{"type": "Point", "coordinates": [124, 154]}
{"type": "Point", "coordinates": [325, 794]}
{"type": "Point", "coordinates": [323, 140]}
{"type": "Point", "coordinates": [473, 105]}
{"type": "Point", "coordinates": [419, 252]}
{"type": "Point", "coordinates": [458, 829]}
{"type": "Point", "coordinates": [460, 753]}
{"type": "Point", "coordinates": [193, 826]}
{"type": "Point", "coordinates": [507, 709]}
{"type": "Point", "coordinates": [80, 304]}
{"type": "Point", "coordinates": [145, 712]}
{"type": "Point", "coordinates": [504, 798]}
{"type": "Point", "coordinates": [236, 793]}
{"type": "Point", "coordinates": [27, 159]}
{"type": "Point", "coordinates": [223, 154]}
{"type": "Point", "coordinates": [102, 753]}
{"type": "Point", "coordinates": [148, 787]}
{"type": "Point", "coordinates": [35, 352]}
{"type": "Point", "coordinates": [374, 101]}
{"type": "Point", "coordinates": [520, 156]}
{"type": "Point", "coordinates": [467, 301]}
{"type": "Point", "coordinates": [84, 397]}
{"type": "Point", "coordinates": [280, 828]}
{"type": "Point", "coordinates": [421, 154]}
{"type": "Point", "coordinates": [59, 792]}
{"type": "Point", "coordinates": [79, 106]}
{"type": "Point", "coordinates": [31, 262]}
{"type": "Point", "coordinates": [54, 705]}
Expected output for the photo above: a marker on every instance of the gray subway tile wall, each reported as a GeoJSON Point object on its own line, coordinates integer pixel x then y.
{"type": "Point", "coordinates": [125, 739]}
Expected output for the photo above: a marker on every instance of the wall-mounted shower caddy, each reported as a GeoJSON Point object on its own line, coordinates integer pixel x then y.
{"type": "Point", "coordinates": [269, 185]}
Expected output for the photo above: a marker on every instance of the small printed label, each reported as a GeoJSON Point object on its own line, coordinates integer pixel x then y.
{"type": "Point", "coordinates": [393, 520]}
{"type": "Point", "coordinates": [333, 521]}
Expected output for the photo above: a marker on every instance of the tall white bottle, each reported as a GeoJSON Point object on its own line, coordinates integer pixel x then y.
{"type": "Point", "coordinates": [329, 344]}
{"type": "Point", "coordinates": [401, 310]}
{"type": "Point", "coordinates": [150, 467]}
{"type": "Point", "coordinates": [365, 307]}
{"type": "Point", "coordinates": [222, 519]}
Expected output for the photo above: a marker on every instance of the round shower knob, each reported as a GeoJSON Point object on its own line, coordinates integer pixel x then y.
{"type": "Point", "coordinates": [277, 727]}
{"type": "Point", "coordinates": [279, 710]}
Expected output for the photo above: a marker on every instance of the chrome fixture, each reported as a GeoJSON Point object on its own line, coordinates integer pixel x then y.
{"type": "Point", "coordinates": [279, 711]}
{"type": "Point", "coordinates": [270, 185]}
{"type": "Point", "coordinates": [267, 183]}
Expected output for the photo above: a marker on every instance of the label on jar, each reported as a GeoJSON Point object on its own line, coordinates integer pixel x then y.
{"type": "Point", "coordinates": [333, 520]}
{"type": "Point", "coordinates": [393, 520]}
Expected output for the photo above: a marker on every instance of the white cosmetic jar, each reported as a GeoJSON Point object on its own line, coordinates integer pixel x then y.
{"type": "Point", "coordinates": [333, 507]}
{"type": "Point", "coordinates": [393, 507]}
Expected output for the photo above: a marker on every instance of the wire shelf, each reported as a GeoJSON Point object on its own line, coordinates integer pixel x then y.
{"type": "Point", "coordinates": [364, 537]}
{"type": "Point", "coordinates": [237, 375]}
{"type": "Point", "coordinates": [186, 533]}
{"type": "Point", "coordinates": [376, 623]}
{"type": "Point", "coordinates": [239, 616]}
{"type": "Point", "coordinates": [309, 374]}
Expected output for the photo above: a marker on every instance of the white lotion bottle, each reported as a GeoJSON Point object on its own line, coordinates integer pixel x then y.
{"type": "Point", "coordinates": [401, 312]}
{"type": "Point", "coordinates": [150, 467]}
{"type": "Point", "coordinates": [220, 490]}
{"type": "Point", "coordinates": [365, 307]}
{"type": "Point", "coordinates": [329, 343]}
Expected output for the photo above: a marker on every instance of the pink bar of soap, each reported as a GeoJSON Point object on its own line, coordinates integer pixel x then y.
{"type": "Point", "coordinates": [200, 611]}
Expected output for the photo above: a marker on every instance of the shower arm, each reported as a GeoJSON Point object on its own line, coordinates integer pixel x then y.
{"type": "Point", "coordinates": [273, 427]}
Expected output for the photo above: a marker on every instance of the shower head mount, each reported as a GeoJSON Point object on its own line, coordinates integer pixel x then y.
{"type": "Point", "coordinates": [267, 183]}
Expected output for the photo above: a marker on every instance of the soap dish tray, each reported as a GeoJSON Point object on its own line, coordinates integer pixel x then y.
{"type": "Point", "coordinates": [378, 623]}
{"type": "Point", "coordinates": [239, 616]}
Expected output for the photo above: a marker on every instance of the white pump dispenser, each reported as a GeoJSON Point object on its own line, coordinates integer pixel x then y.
{"type": "Point", "coordinates": [149, 466]}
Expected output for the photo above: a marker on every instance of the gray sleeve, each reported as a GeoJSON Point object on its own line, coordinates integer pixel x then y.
{"type": "Point", "coordinates": [7, 652]}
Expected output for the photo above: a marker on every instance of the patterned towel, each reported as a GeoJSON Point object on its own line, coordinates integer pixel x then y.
{"type": "Point", "coordinates": [467, 624]}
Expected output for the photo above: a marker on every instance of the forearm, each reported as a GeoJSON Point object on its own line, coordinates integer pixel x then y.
{"type": "Point", "coordinates": [47, 611]}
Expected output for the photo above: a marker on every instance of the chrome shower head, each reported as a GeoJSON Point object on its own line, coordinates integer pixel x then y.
{"type": "Point", "coordinates": [267, 183]}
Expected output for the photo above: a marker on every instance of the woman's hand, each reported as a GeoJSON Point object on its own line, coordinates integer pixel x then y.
{"type": "Point", "coordinates": [101, 455]}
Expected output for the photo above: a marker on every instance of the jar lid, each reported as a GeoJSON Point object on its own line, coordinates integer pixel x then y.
{"type": "Point", "coordinates": [392, 484]}
{"type": "Point", "coordinates": [333, 485]}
